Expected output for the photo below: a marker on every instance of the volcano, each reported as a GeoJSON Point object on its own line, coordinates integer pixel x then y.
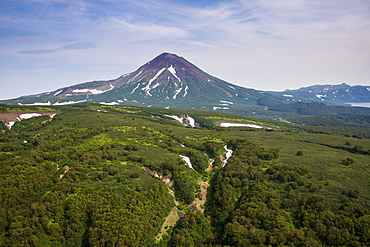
{"type": "Point", "coordinates": [166, 81]}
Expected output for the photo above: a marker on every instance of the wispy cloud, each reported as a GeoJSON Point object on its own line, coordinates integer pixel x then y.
{"type": "Point", "coordinates": [73, 46]}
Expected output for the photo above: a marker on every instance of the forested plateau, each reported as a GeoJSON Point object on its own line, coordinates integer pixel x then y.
{"type": "Point", "coordinates": [105, 175]}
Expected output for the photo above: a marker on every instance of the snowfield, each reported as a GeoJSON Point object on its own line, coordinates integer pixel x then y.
{"type": "Point", "coordinates": [227, 124]}
{"type": "Point", "coordinates": [29, 115]}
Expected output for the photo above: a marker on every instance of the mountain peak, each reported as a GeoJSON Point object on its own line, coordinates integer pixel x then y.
{"type": "Point", "coordinates": [170, 60]}
{"type": "Point", "coordinates": [167, 55]}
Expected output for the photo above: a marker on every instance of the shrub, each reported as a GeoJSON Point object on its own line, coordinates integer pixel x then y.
{"type": "Point", "coordinates": [348, 161]}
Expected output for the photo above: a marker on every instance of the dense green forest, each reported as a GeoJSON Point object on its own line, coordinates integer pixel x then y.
{"type": "Point", "coordinates": [100, 175]}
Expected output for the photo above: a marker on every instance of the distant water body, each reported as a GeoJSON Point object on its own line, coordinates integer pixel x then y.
{"type": "Point", "coordinates": [367, 104]}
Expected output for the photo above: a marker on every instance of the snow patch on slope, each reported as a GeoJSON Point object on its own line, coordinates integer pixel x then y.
{"type": "Point", "coordinates": [135, 76]}
{"type": "Point", "coordinates": [24, 116]}
{"type": "Point", "coordinates": [37, 103]}
{"type": "Point", "coordinates": [9, 125]}
{"type": "Point", "coordinates": [227, 102]}
{"type": "Point", "coordinates": [186, 91]}
{"type": "Point", "coordinates": [240, 125]}
{"type": "Point", "coordinates": [58, 92]}
{"type": "Point", "coordinates": [177, 92]}
{"type": "Point", "coordinates": [220, 108]}
{"type": "Point", "coordinates": [133, 91]}
{"type": "Point", "coordinates": [184, 119]}
{"type": "Point", "coordinates": [187, 161]}
{"type": "Point", "coordinates": [29, 115]}
{"type": "Point", "coordinates": [109, 103]}
{"type": "Point", "coordinates": [173, 72]}
{"type": "Point", "coordinates": [70, 102]}
{"type": "Point", "coordinates": [228, 154]}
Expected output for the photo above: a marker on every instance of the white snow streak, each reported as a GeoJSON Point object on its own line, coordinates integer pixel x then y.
{"type": "Point", "coordinates": [109, 103]}
{"type": "Point", "coordinates": [241, 125]}
{"type": "Point", "coordinates": [173, 71]}
{"type": "Point", "coordinates": [182, 118]}
{"type": "Point", "coordinates": [135, 76]}
{"type": "Point", "coordinates": [69, 102]}
{"type": "Point", "coordinates": [187, 161]}
{"type": "Point", "coordinates": [227, 102]}
{"type": "Point", "coordinates": [228, 154]}
{"type": "Point", "coordinates": [147, 87]}
{"type": "Point", "coordinates": [175, 117]}
{"type": "Point", "coordinates": [156, 85]}
{"type": "Point", "coordinates": [58, 92]}
{"type": "Point", "coordinates": [177, 92]}
{"type": "Point", "coordinates": [220, 108]}
{"type": "Point", "coordinates": [92, 91]}
{"type": "Point", "coordinates": [37, 103]}
{"type": "Point", "coordinates": [191, 121]}
{"type": "Point", "coordinates": [133, 91]}
{"type": "Point", "coordinates": [186, 91]}
{"type": "Point", "coordinates": [81, 90]}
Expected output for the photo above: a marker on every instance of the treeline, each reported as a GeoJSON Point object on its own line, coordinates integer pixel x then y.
{"type": "Point", "coordinates": [251, 206]}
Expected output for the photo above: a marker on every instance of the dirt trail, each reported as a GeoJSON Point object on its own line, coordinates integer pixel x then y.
{"type": "Point", "coordinates": [169, 222]}
{"type": "Point", "coordinates": [197, 204]}
{"type": "Point", "coordinates": [176, 214]}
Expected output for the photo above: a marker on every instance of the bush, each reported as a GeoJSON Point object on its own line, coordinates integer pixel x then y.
{"type": "Point", "coordinates": [348, 161]}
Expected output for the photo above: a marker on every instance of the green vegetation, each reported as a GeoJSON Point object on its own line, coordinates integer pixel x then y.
{"type": "Point", "coordinates": [79, 180]}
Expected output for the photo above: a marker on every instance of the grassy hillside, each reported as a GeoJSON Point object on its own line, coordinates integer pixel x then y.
{"type": "Point", "coordinates": [99, 175]}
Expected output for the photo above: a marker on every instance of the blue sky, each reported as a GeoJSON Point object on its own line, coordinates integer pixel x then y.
{"type": "Point", "coordinates": [262, 44]}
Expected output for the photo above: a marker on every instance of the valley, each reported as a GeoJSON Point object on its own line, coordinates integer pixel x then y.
{"type": "Point", "coordinates": [108, 175]}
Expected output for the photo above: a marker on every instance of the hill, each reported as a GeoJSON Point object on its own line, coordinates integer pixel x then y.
{"type": "Point", "coordinates": [105, 175]}
{"type": "Point", "coordinates": [332, 94]}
